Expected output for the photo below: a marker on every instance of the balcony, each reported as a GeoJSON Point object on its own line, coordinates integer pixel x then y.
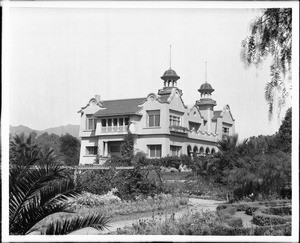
{"type": "Point", "coordinates": [114, 129]}
{"type": "Point", "coordinates": [179, 129]}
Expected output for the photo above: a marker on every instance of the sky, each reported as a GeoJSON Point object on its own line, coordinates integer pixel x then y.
{"type": "Point", "coordinates": [59, 58]}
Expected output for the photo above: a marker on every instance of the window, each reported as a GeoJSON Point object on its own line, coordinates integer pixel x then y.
{"type": "Point", "coordinates": [154, 151]}
{"type": "Point", "coordinates": [194, 126]}
{"type": "Point", "coordinates": [115, 122]}
{"type": "Point", "coordinates": [109, 122]}
{"type": "Point", "coordinates": [126, 121]}
{"type": "Point", "coordinates": [121, 121]}
{"type": "Point", "coordinates": [91, 150]}
{"type": "Point", "coordinates": [175, 150]}
{"type": "Point", "coordinates": [90, 123]}
{"type": "Point", "coordinates": [153, 118]}
{"type": "Point", "coordinates": [226, 131]}
{"type": "Point", "coordinates": [174, 120]}
{"type": "Point", "coordinates": [115, 148]}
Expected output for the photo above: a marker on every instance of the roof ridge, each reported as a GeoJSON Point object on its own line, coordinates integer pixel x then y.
{"type": "Point", "coordinates": [126, 99]}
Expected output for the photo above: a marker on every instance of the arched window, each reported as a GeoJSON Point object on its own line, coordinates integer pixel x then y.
{"type": "Point", "coordinates": [207, 151]}
{"type": "Point", "coordinates": [195, 149]}
{"type": "Point", "coordinates": [189, 149]}
{"type": "Point", "coordinates": [213, 151]}
{"type": "Point", "coordinates": [201, 150]}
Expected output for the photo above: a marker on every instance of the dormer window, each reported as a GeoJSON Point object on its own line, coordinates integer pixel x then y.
{"type": "Point", "coordinates": [153, 118]}
{"type": "Point", "coordinates": [90, 123]}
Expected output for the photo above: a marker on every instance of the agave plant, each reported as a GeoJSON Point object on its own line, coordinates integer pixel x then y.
{"type": "Point", "coordinates": [38, 190]}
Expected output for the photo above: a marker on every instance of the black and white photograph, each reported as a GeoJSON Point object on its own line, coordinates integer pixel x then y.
{"type": "Point", "coordinates": [150, 121]}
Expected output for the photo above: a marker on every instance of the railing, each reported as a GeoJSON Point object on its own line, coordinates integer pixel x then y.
{"type": "Point", "coordinates": [179, 129]}
{"type": "Point", "coordinates": [113, 129]}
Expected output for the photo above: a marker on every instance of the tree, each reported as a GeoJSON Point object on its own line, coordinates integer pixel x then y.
{"type": "Point", "coordinates": [36, 191]}
{"type": "Point", "coordinates": [46, 141]}
{"type": "Point", "coordinates": [127, 146]}
{"type": "Point", "coordinates": [69, 149]}
{"type": "Point", "coordinates": [271, 34]}
{"type": "Point", "coordinates": [23, 150]}
{"type": "Point", "coordinates": [284, 135]}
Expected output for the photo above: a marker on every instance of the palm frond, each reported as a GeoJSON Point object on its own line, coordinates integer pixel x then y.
{"type": "Point", "coordinates": [32, 213]}
{"type": "Point", "coordinates": [59, 192]}
{"type": "Point", "coordinates": [29, 186]}
{"type": "Point", "coordinates": [66, 226]}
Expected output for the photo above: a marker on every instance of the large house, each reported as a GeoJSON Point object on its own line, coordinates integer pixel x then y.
{"type": "Point", "coordinates": [161, 123]}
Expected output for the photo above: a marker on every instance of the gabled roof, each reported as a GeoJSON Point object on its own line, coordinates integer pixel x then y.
{"type": "Point", "coordinates": [120, 107]}
{"type": "Point", "coordinates": [217, 114]}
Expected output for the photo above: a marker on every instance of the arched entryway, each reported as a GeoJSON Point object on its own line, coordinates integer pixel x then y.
{"type": "Point", "coordinates": [189, 150]}
{"type": "Point", "coordinates": [195, 150]}
{"type": "Point", "coordinates": [207, 151]}
{"type": "Point", "coordinates": [201, 150]}
{"type": "Point", "coordinates": [213, 151]}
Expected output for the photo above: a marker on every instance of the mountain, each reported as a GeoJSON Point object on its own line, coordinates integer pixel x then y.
{"type": "Point", "coordinates": [61, 130]}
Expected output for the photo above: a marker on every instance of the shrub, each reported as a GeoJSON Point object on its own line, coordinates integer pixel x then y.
{"type": "Point", "coordinates": [96, 181]}
{"type": "Point", "coordinates": [228, 210]}
{"type": "Point", "coordinates": [250, 210]}
{"type": "Point", "coordinates": [228, 230]}
{"type": "Point", "coordinates": [262, 219]}
{"type": "Point", "coordinates": [91, 200]}
{"type": "Point", "coordinates": [281, 210]}
{"type": "Point", "coordinates": [234, 222]}
{"type": "Point", "coordinates": [274, 230]}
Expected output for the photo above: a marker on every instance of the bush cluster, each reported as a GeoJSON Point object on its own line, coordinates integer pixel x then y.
{"type": "Point", "coordinates": [129, 183]}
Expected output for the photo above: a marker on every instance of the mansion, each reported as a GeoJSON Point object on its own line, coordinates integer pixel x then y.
{"type": "Point", "coordinates": [161, 123]}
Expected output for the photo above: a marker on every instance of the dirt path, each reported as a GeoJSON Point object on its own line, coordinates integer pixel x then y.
{"type": "Point", "coordinates": [195, 205]}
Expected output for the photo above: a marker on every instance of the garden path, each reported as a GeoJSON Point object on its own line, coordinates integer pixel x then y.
{"type": "Point", "coordinates": [195, 205]}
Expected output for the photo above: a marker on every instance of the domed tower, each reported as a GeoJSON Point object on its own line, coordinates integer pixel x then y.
{"type": "Point", "coordinates": [206, 103]}
{"type": "Point", "coordinates": [170, 78]}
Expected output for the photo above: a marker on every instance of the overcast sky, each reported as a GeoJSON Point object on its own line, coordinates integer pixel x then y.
{"type": "Point", "coordinates": [60, 58]}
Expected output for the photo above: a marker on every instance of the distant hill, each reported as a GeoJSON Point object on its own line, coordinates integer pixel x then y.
{"type": "Point", "coordinates": [61, 130]}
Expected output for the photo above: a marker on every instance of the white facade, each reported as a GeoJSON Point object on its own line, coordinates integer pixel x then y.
{"type": "Point", "coordinates": [161, 123]}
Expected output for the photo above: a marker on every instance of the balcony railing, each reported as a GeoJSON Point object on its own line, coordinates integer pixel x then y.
{"type": "Point", "coordinates": [113, 129]}
{"type": "Point", "coordinates": [179, 129]}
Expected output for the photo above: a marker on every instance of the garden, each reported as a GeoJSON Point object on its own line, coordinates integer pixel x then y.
{"type": "Point", "coordinates": [247, 186]}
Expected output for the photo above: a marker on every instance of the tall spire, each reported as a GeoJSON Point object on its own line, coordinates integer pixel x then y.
{"type": "Point", "coordinates": [170, 56]}
{"type": "Point", "coordinates": [205, 72]}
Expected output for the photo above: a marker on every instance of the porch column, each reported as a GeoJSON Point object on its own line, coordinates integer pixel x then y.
{"type": "Point", "coordinates": [105, 149]}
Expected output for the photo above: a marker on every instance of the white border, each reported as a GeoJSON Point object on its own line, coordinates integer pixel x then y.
{"type": "Point", "coordinates": [7, 5]}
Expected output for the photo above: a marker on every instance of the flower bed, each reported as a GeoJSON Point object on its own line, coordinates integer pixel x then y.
{"type": "Point", "coordinates": [113, 206]}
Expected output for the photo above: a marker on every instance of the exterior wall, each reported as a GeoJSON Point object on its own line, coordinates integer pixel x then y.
{"type": "Point", "coordinates": [166, 141]}
{"type": "Point", "coordinates": [84, 158]}
{"type": "Point", "coordinates": [142, 143]}
{"type": "Point", "coordinates": [162, 135]}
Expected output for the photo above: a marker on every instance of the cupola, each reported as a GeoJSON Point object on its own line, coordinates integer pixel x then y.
{"type": "Point", "coordinates": [170, 78]}
{"type": "Point", "coordinates": [205, 93]}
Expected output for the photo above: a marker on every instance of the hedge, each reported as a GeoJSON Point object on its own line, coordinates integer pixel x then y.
{"type": "Point", "coordinates": [262, 219]}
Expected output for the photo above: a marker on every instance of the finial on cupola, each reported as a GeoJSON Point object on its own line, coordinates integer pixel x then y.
{"type": "Point", "coordinates": [205, 72]}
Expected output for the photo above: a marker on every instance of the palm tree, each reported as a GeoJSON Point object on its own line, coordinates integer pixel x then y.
{"type": "Point", "coordinates": [37, 191]}
{"type": "Point", "coordinates": [205, 166]}
{"type": "Point", "coordinates": [229, 151]}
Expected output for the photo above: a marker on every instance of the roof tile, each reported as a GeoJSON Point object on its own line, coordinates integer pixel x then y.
{"type": "Point", "coordinates": [120, 107]}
